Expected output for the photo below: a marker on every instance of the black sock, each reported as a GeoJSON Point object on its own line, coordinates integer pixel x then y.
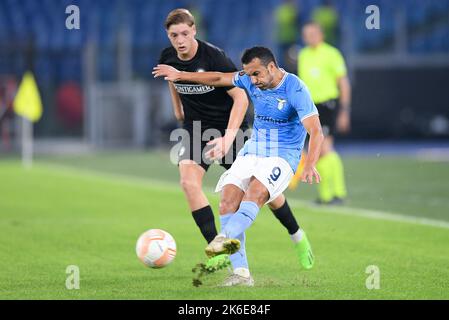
{"type": "Point", "coordinates": [204, 219]}
{"type": "Point", "coordinates": [286, 217]}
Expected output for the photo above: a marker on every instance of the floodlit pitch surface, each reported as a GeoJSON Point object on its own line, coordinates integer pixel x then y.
{"type": "Point", "coordinates": [89, 211]}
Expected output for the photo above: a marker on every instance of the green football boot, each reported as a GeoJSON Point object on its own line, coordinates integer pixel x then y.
{"type": "Point", "coordinates": [212, 265]}
{"type": "Point", "coordinates": [218, 263]}
{"type": "Point", "coordinates": [304, 252]}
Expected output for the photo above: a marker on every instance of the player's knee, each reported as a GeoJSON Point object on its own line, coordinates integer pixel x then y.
{"type": "Point", "coordinates": [228, 206]}
{"type": "Point", "coordinates": [259, 197]}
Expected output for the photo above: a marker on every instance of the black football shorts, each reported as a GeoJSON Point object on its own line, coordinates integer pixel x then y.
{"type": "Point", "coordinates": [193, 146]}
{"type": "Point", "coordinates": [328, 116]}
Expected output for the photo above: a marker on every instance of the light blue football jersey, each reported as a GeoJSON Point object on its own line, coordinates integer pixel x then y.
{"type": "Point", "coordinates": [278, 116]}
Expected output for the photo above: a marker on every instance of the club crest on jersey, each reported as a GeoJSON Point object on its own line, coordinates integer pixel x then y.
{"type": "Point", "coordinates": [281, 103]}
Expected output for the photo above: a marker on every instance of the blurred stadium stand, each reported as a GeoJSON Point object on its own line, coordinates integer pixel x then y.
{"type": "Point", "coordinates": [120, 40]}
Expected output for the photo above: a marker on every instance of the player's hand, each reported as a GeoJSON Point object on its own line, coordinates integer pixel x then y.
{"type": "Point", "coordinates": [168, 72]}
{"type": "Point", "coordinates": [343, 122]}
{"type": "Point", "coordinates": [308, 173]}
{"type": "Point", "coordinates": [220, 147]}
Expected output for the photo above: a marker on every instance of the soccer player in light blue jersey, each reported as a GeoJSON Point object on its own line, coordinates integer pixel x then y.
{"type": "Point", "coordinates": [283, 115]}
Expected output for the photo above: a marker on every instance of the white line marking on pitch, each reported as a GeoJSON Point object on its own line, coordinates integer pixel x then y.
{"type": "Point", "coordinates": [174, 187]}
{"type": "Point", "coordinates": [374, 214]}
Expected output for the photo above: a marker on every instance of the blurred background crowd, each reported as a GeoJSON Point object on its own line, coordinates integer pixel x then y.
{"type": "Point", "coordinates": [97, 88]}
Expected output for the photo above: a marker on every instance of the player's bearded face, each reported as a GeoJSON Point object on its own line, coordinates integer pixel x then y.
{"type": "Point", "coordinates": [261, 76]}
{"type": "Point", "coordinates": [182, 37]}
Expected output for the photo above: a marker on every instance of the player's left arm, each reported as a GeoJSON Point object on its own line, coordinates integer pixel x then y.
{"type": "Point", "coordinates": [300, 98]}
{"type": "Point", "coordinates": [344, 114]}
{"type": "Point", "coordinates": [222, 145]}
{"type": "Point", "coordinates": [313, 127]}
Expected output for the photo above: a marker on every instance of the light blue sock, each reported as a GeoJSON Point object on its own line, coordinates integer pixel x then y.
{"type": "Point", "coordinates": [241, 220]}
{"type": "Point", "coordinates": [224, 219]}
{"type": "Point", "coordinates": [238, 259]}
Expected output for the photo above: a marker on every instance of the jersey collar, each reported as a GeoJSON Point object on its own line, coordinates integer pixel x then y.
{"type": "Point", "coordinates": [282, 80]}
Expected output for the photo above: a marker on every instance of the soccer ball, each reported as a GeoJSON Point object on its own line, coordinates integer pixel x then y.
{"type": "Point", "coordinates": [156, 248]}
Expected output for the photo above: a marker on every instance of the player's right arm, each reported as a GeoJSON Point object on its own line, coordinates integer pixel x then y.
{"type": "Point", "coordinates": [176, 101]}
{"type": "Point", "coordinates": [216, 79]}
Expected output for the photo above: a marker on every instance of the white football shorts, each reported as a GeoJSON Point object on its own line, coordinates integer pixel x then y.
{"type": "Point", "coordinates": [273, 172]}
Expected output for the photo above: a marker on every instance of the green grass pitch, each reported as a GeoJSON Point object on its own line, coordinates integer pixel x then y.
{"type": "Point", "coordinates": [53, 216]}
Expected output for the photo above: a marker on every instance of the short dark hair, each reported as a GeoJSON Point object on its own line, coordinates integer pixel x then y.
{"type": "Point", "coordinates": [264, 54]}
{"type": "Point", "coordinates": [179, 16]}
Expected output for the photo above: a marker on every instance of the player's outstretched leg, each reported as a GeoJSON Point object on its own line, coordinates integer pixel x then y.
{"type": "Point", "coordinates": [229, 203]}
{"type": "Point", "coordinates": [240, 275]}
{"type": "Point", "coordinates": [254, 198]}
